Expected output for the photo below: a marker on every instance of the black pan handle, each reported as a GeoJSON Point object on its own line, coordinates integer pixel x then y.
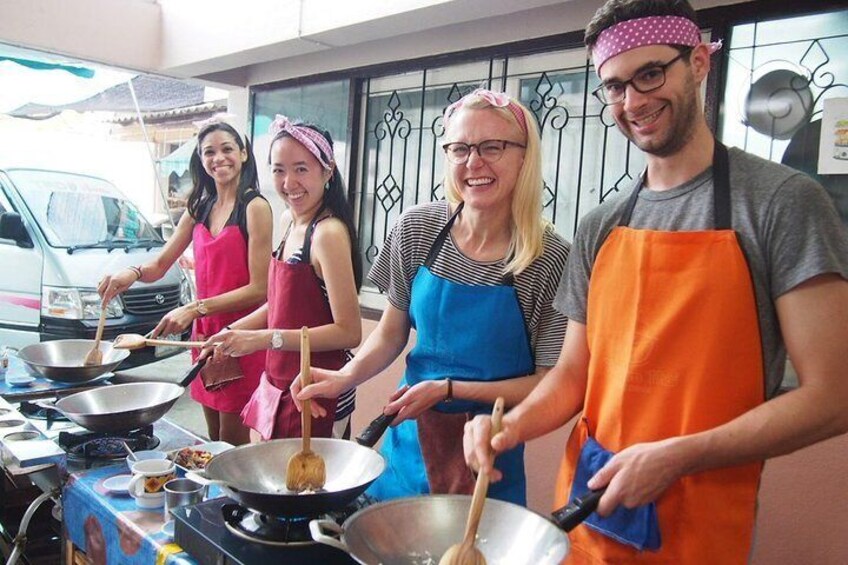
{"type": "Point", "coordinates": [375, 430]}
{"type": "Point", "coordinates": [193, 372]}
{"type": "Point", "coordinates": [572, 514]}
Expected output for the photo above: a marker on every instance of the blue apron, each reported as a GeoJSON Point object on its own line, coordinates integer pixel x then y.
{"type": "Point", "coordinates": [465, 333]}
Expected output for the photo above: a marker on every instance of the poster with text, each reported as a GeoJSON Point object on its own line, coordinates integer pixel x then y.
{"type": "Point", "coordinates": [833, 143]}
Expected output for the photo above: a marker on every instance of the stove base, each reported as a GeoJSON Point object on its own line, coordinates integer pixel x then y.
{"type": "Point", "coordinates": [201, 532]}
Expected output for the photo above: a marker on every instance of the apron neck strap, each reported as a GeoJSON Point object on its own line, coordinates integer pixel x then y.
{"type": "Point", "coordinates": [307, 238]}
{"type": "Point", "coordinates": [721, 191]}
{"type": "Point", "coordinates": [507, 280]}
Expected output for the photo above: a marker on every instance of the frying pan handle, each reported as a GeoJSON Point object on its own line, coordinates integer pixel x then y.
{"type": "Point", "coordinates": [316, 528]}
{"type": "Point", "coordinates": [193, 372]}
{"type": "Point", "coordinates": [375, 430]}
{"type": "Point", "coordinates": [572, 514]}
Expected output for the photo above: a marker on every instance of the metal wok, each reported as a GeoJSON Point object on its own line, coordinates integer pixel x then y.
{"type": "Point", "coordinates": [421, 529]}
{"type": "Point", "coordinates": [255, 474]}
{"type": "Point", "coordinates": [64, 360]}
{"type": "Point", "coordinates": [123, 407]}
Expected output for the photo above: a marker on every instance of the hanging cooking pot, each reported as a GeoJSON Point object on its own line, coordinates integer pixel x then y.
{"type": "Point", "coordinates": [779, 100]}
{"type": "Point", "coordinates": [63, 360]}
{"type": "Point", "coordinates": [123, 407]}
{"type": "Point", "coordinates": [255, 475]}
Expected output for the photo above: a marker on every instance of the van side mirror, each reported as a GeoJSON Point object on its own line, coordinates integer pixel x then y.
{"type": "Point", "coordinates": [12, 227]}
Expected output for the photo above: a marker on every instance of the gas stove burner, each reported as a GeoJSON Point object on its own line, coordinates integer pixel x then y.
{"type": "Point", "coordinates": [265, 529]}
{"type": "Point", "coordinates": [11, 423]}
{"type": "Point", "coordinates": [22, 436]}
{"type": "Point", "coordinates": [40, 412]}
{"type": "Point", "coordinates": [104, 445]}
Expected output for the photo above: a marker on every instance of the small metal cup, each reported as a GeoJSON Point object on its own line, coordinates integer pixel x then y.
{"type": "Point", "coordinates": [182, 492]}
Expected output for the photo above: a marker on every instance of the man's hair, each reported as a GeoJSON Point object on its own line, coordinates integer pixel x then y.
{"type": "Point", "coordinates": [617, 11]}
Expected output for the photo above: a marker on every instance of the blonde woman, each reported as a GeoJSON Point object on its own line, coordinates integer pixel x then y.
{"type": "Point", "coordinates": [475, 276]}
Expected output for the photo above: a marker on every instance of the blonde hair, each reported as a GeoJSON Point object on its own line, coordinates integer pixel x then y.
{"type": "Point", "coordinates": [528, 226]}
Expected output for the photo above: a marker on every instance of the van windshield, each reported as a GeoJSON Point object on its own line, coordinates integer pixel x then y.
{"type": "Point", "coordinates": [76, 211]}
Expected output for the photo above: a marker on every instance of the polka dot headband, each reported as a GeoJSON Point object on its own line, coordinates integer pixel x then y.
{"type": "Point", "coordinates": [496, 99]}
{"type": "Point", "coordinates": [639, 32]}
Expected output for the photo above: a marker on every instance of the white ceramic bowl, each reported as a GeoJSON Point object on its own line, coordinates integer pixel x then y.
{"type": "Point", "coordinates": [146, 454]}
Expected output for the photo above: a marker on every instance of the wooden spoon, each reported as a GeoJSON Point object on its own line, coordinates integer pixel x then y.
{"type": "Point", "coordinates": [466, 553]}
{"type": "Point", "coordinates": [306, 469]}
{"type": "Point", "coordinates": [137, 341]}
{"type": "Point", "coordinates": [95, 356]}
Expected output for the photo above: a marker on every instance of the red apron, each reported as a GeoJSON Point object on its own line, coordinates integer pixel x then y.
{"type": "Point", "coordinates": [675, 349]}
{"type": "Point", "coordinates": [221, 265]}
{"type": "Point", "coordinates": [295, 299]}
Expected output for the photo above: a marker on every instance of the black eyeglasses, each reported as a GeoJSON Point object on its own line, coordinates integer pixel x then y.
{"type": "Point", "coordinates": [490, 150]}
{"type": "Point", "coordinates": [646, 80]}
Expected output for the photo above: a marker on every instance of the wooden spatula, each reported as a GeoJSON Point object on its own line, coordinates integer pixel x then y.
{"type": "Point", "coordinates": [306, 469]}
{"type": "Point", "coordinates": [137, 341]}
{"type": "Point", "coordinates": [466, 552]}
{"type": "Point", "coordinates": [95, 356]}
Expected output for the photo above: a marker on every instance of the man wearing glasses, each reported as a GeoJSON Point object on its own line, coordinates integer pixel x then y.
{"type": "Point", "coordinates": [684, 298]}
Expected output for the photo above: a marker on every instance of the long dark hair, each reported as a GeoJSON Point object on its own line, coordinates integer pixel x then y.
{"type": "Point", "coordinates": [335, 199]}
{"type": "Point", "coordinates": [203, 186]}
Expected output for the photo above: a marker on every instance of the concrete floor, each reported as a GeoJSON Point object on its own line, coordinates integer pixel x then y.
{"type": "Point", "coordinates": [186, 412]}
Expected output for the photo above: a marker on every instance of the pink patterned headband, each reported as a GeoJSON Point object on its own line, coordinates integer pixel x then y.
{"type": "Point", "coordinates": [314, 142]}
{"type": "Point", "coordinates": [652, 30]}
{"type": "Point", "coordinates": [219, 118]}
{"type": "Point", "coordinates": [496, 99]}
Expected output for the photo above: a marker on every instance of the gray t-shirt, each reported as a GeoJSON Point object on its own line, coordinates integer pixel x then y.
{"type": "Point", "coordinates": [787, 226]}
{"type": "Point", "coordinates": [407, 247]}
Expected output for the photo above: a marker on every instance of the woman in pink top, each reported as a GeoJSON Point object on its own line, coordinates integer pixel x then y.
{"type": "Point", "coordinates": [230, 227]}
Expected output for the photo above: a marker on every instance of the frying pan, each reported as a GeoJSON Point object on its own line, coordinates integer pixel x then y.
{"type": "Point", "coordinates": [255, 474]}
{"type": "Point", "coordinates": [420, 529]}
{"type": "Point", "coordinates": [63, 360]}
{"type": "Point", "coordinates": [123, 407]}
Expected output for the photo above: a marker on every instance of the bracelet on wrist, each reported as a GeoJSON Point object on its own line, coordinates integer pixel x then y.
{"type": "Point", "coordinates": [137, 271]}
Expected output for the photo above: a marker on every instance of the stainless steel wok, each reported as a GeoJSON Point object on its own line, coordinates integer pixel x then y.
{"type": "Point", "coordinates": [119, 407]}
{"type": "Point", "coordinates": [64, 360]}
{"type": "Point", "coordinates": [123, 407]}
{"type": "Point", "coordinates": [255, 474]}
{"type": "Point", "coordinates": [419, 530]}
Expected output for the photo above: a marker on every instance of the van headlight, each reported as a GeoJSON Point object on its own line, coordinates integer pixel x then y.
{"type": "Point", "coordinates": [76, 304]}
{"type": "Point", "coordinates": [186, 291]}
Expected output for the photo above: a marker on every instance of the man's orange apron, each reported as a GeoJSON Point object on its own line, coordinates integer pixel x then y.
{"type": "Point", "coordinates": [675, 349]}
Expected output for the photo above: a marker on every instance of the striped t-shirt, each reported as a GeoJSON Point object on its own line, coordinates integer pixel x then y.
{"type": "Point", "coordinates": [409, 242]}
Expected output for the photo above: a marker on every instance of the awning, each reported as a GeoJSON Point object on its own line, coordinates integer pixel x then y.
{"type": "Point", "coordinates": [177, 161]}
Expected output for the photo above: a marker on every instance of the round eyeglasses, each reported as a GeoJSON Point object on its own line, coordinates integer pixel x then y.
{"type": "Point", "coordinates": [489, 151]}
{"type": "Point", "coordinates": [647, 80]}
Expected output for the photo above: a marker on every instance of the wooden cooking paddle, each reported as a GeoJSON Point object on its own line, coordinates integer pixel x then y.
{"type": "Point", "coordinates": [137, 341]}
{"type": "Point", "coordinates": [95, 356]}
{"type": "Point", "coordinates": [466, 553]}
{"type": "Point", "coordinates": [306, 469]}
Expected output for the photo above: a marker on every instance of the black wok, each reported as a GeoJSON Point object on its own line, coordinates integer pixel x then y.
{"type": "Point", "coordinates": [123, 407]}
{"type": "Point", "coordinates": [63, 360]}
{"type": "Point", "coordinates": [255, 474]}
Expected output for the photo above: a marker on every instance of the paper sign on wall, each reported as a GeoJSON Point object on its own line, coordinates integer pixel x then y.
{"type": "Point", "coordinates": [833, 143]}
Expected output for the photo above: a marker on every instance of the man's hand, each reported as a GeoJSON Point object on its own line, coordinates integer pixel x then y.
{"type": "Point", "coordinates": [640, 474]}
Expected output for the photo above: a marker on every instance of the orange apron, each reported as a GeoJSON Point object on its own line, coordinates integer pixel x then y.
{"type": "Point", "coordinates": [675, 349]}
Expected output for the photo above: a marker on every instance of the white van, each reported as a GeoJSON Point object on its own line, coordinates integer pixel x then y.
{"type": "Point", "coordinates": [60, 233]}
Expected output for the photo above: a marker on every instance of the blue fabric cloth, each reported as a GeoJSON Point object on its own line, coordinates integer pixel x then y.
{"type": "Point", "coordinates": [637, 527]}
{"type": "Point", "coordinates": [464, 332]}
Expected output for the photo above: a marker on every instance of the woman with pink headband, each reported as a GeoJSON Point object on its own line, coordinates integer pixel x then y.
{"type": "Point", "coordinates": [475, 277]}
{"type": "Point", "coordinates": [313, 280]}
{"type": "Point", "coordinates": [229, 226]}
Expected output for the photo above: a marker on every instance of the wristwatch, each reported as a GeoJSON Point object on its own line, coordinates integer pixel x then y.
{"type": "Point", "coordinates": [276, 339]}
{"type": "Point", "coordinates": [200, 306]}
